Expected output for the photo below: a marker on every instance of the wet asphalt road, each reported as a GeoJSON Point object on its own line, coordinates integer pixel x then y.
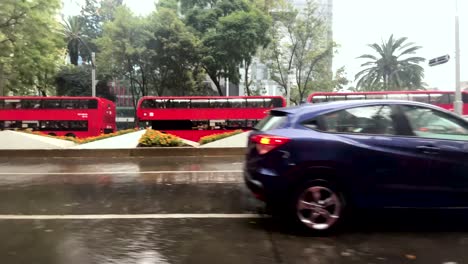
{"type": "Point", "coordinates": [37, 187]}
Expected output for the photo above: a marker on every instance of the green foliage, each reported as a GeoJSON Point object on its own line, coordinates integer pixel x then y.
{"type": "Point", "coordinates": [30, 46]}
{"type": "Point", "coordinates": [300, 51]}
{"type": "Point", "coordinates": [230, 33]}
{"type": "Point", "coordinates": [154, 138]}
{"type": "Point", "coordinates": [393, 68]}
{"type": "Point", "coordinates": [215, 137]}
{"type": "Point", "coordinates": [76, 81]}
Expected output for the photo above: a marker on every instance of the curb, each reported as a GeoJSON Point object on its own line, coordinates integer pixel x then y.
{"type": "Point", "coordinates": [137, 152]}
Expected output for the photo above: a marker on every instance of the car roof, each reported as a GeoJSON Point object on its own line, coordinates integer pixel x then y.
{"type": "Point", "coordinates": [320, 108]}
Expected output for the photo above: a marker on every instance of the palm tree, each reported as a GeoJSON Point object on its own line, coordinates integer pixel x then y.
{"type": "Point", "coordinates": [72, 32]}
{"type": "Point", "coordinates": [393, 68]}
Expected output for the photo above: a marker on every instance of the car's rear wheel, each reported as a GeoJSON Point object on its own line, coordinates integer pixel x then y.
{"type": "Point", "coordinates": [318, 207]}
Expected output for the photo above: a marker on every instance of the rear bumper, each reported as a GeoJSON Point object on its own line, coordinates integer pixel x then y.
{"type": "Point", "coordinates": [255, 186]}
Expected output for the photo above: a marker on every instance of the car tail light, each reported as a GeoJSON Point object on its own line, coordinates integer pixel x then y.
{"type": "Point", "coordinates": [266, 143]}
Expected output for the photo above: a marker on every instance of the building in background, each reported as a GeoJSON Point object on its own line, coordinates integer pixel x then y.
{"type": "Point", "coordinates": [125, 117]}
{"type": "Point", "coordinates": [259, 73]}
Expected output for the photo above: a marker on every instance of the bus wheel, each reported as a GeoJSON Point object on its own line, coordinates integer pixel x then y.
{"type": "Point", "coordinates": [70, 135]}
{"type": "Point", "coordinates": [52, 134]}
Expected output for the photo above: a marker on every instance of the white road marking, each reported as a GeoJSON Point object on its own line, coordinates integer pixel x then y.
{"type": "Point", "coordinates": [128, 216]}
{"type": "Point", "coordinates": [117, 172]}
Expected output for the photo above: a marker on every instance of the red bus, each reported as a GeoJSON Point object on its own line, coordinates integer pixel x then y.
{"type": "Point", "coordinates": [442, 99]}
{"type": "Point", "coordinates": [58, 116]}
{"type": "Point", "coordinates": [194, 117]}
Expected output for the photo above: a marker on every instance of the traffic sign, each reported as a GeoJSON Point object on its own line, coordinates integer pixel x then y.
{"type": "Point", "coordinates": [439, 60]}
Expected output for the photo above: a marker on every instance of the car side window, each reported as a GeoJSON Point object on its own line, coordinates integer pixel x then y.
{"type": "Point", "coordinates": [361, 120]}
{"type": "Point", "coordinates": [429, 123]}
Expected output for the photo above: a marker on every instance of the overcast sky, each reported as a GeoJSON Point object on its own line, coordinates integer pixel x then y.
{"type": "Point", "coordinates": [356, 23]}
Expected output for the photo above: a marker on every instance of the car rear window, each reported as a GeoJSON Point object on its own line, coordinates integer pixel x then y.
{"type": "Point", "coordinates": [274, 120]}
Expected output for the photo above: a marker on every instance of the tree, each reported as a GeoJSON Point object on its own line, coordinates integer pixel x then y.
{"type": "Point", "coordinates": [94, 14]}
{"type": "Point", "coordinates": [230, 33]}
{"type": "Point", "coordinates": [173, 60]}
{"type": "Point", "coordinates": [30, 46]}
{"type": "Point", "coordinates": [123, 51]}
{"type": "Point", "coordinates": [76, 81]}
{"type": "Point", "coordinates": [393, 68]}
{"type": "Point", "coordinates": [73, 35]}
{"type": "Point", "coordinates": [299, 52]}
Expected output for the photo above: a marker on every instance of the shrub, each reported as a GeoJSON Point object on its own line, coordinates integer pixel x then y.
{"type": "Point", "coordinates": [154, 138]}
{"type": "Point", "coordinates": [84, 140]}
{"type": "Point", "coordinates": [214, 137]}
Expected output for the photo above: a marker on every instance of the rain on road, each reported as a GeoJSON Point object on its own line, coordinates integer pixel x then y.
{"type": "Point", "coordinates": [187, 210]}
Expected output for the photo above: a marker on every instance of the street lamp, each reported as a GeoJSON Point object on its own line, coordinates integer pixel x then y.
{"type": "Point", "coordinates": [93, 74]}
{"type": "Point", "coordinates": [458, 104]}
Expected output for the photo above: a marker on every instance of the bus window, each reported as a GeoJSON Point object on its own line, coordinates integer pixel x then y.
{"type": "Point", "coordinates": [237, 103]}
{"type": "Point", "coordinates": [277, 102]}
{"type": "Point", "coordinates": [30, 104]}
{"type": "Point", "coordinates": [235, 124]}
{"type": "Point", "coordinates": [376, 96]}
{"type": "Point", "coordinates": [92, 104]}
{"type": "Point", "coordinates": [51, 104]}
{"type": "Point", "coordinates": [200, 103]}
{"type": "Point", "coordinates": [356, 97]}
{"type": "Point", "coordinates": [439, 98]}
{"type": "Point", "coordinates": [148, 103]}
{"type": "Point", "coordinates": [332, 98]}
{"type": "Point", "coordinates": [423, 98]}
{"type": "Point", "coordinates": [2, 104]}
{"type": "Point", "coordinates": [79, 125]}
{"type": "Point", "coordinates": [219, 103]}
{"type": "Point", "coordinates": [319, 99]}
{"type": "Point", "coordinates": [12, 104]}
{"type": "Point", "coordinates": [181, 103]}
{"type": "Point", "coordinates": [397, 97]}
{"type": "Point", "coordinates": [465, 98]}
{"type": "Point", "coordinates": [70, 104]}
{"type": "Point", "coordinates": [451, 98]}
{"type": "Point", "coordinates": [254, 103]}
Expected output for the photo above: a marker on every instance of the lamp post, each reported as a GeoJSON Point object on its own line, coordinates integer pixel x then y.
{"type": "Point", "coordinates": [458, 104]}
{"type": "Point", "coordinates": [93, 74]}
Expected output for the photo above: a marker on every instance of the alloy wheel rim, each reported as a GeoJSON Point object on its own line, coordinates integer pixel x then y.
{"type": "Point", "coordinates": [318, 207]}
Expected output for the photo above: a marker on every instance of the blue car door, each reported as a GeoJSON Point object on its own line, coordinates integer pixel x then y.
{"type": "Point", "coordinates": [385, 167]}
{"type": "Point", "coordinates": [446, 142]}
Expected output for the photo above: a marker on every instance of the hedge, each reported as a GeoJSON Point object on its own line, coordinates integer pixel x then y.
{"type": "Point", "coordinates": [84, 140]}
{"type": "Point", "coordinates": [214, 137]}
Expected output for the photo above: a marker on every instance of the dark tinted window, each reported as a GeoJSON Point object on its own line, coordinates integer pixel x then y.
{"type": "Point", "coordinates": [12, 104]}
{"type": "Point", "coordinates": [51, 104]}
{"type": "Point", "coordinates": [254, 103]}
{"type": "Point", "coordinates": [219, 103]}
{"type": "Point", "coordinates": [54, 125]}
{"type": "Point", "coordinates": [423, 98]}
{"type": "Point", "coordinates": [237, 103]}
{"type": "Point", "coordinates": [439, 99]}
{"type": "Point", "coordinates": [30, 104]}
{"type": "Point", "coordinates": [92, 104]}
{"type": "Point", "coordinates": [465, 98]}
{"type": "Point", "coordinates": [200, 103]}
{"type": "Point", "coordinates": [70, 104]}
{"type": "Point", "coordinates": [361, 120]}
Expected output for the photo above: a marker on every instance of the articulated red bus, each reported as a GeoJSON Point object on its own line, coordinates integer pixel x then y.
{"type": "Point", "coordinates": [442, 99]}
{"type": "Point", "coordinates": [194, 117]}
{"type": "Point", "coordinates": [58, 116]}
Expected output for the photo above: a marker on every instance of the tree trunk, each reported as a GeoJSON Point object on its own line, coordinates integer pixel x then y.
{"type": "Point", "coordinates": [246, 78]}
{"type": "Point", "coordinates": [2, 81]}
{"type": "Point", "coordinates": [216, 82]}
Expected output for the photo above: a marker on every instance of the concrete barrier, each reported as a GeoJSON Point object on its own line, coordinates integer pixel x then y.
{"type": "Point", "coordinates": [136, 152]}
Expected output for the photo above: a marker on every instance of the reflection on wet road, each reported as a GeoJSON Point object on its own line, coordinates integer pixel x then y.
{"type": "Point", "coordinates": [189, 187]}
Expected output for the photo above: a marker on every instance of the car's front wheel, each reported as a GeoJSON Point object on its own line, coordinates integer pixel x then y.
{"type": "Point", "coordinates": [318, 207]}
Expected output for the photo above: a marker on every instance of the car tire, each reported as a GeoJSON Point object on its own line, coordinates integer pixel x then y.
{"type": "Point", "coordinates": [317, 207]}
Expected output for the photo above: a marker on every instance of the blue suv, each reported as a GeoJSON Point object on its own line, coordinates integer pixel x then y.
{"type": "Point", "coordinates": [313, 162]}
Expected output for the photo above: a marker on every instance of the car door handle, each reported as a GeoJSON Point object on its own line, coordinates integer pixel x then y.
{"type": "Point", "coordinates": [428, 149]}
